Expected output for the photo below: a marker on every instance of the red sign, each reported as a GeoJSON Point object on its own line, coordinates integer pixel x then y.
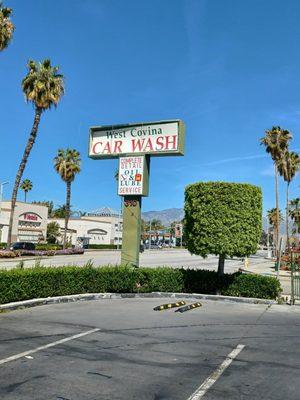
{"type": "Point", "coordinates": [30, 217]}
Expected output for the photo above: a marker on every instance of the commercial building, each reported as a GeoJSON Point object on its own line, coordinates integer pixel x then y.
{"type": "Point", "coordinates": [102, 226]}
{"type": "Point", "coordinates": [29, 224]}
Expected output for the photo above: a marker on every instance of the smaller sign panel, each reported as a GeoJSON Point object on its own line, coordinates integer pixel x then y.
{"type": "Point", "coordinates": [132, 176]}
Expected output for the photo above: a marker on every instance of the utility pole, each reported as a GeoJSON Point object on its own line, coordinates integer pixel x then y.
{"type": "Point", "coordinates": [1, 198]}
{"type": "Point", "coordinates": [150, 227]}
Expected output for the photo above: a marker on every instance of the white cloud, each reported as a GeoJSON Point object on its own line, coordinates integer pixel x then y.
{"type": "Point", "coordinates": [268, 171]}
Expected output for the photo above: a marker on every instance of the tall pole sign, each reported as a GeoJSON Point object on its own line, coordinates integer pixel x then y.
{"type": "Point", "coordinates": [134, 144]}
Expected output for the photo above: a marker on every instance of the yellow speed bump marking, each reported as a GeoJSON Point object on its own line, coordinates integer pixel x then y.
{"type": "Point", "coordinates": [169, 305]}
{"type": "Point", "coordinates": [188, 307]}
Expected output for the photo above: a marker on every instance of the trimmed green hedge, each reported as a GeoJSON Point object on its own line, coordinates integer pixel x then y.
{"type": "Point", "coordinates": [104, 246]}
{"type": "Point", "coordinates": [223, 218]}
{"type": "Point", "coordinates": [24, 284]}
{"type": "Point", "coordinates": [48, 246]}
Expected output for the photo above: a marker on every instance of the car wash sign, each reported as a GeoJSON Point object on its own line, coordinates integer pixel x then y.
{"type": "Point", "coordinates": [153, 138]}
{"type": "Point", "coordinates": [132, 176]}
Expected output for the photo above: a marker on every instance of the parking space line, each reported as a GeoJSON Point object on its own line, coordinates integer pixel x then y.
{"type": "Point", "coordinates": [47, 346]}
{"type": "Point", "coordinates": [211, 380]}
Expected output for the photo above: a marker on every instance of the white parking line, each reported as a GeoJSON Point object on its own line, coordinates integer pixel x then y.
{"type": "Point", "coordinates": [32, 351]}
{"type": "Point", "coordinates": [211, 380]}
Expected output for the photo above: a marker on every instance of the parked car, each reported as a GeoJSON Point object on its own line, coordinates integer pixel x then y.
{"type": "Point", "coordinates": [22, 246]}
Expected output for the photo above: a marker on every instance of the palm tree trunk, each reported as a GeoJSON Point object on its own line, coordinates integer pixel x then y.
{"type": "Point", "coordinates": [277, 212]}
{"type": "Point", "coordinates": [31, 140]}
{"type": "Point", "coordinates": [221, 264]}
{"type": "Point", "coordinates": [67, 212]}
{"type": "Point", "coordinates": [25, 195]}
{"type": "Point", "coordinates": [287, 218]}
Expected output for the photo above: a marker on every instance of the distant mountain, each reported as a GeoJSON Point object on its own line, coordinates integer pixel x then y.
{"type": "Point", "coordinates": [176, 214]}
{"type": "Point", "coordinates": [165, 216]}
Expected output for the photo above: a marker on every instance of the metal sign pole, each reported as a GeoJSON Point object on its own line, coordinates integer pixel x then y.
{"type": "Point", "coordinates": [133, 179]}
{"type": "Point", "coordinates": [131, 230]}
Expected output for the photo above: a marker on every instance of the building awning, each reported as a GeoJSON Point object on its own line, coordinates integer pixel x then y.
{"type": "Point", "coordinates": [29, 230]}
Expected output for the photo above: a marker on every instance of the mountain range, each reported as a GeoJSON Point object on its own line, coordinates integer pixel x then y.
{"type": "Point", "coordinates": [165, 216]}
{"type": "Point", "coordinates": [177, 214]}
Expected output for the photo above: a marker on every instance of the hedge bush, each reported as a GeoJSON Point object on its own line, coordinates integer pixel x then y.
{"type": "Point", "coordinates": [48, 246]}
{"type": "Point", "coordinates": [104, 246]}
{"type": "Point", "coordinates": [223, 218]}
{"type": "Point", "coordinates": [40, 253]}
{"type": "Point", "coordinates": [23, 284]}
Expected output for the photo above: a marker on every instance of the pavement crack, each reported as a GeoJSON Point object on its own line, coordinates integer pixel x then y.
{"type": "Point", "coordinates": [98, 373]}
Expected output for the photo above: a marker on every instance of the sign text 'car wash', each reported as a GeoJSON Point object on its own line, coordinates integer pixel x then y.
{"type": "Point", "coordinates": [159, 138]}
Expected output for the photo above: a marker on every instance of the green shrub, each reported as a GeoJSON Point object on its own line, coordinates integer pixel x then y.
{"type": "Point", "coordinates": [162, 279]}
{"type": "Point", "coordinates": [223, 218]}
{"type": "Point", "coordinates": [23, 284]}
{"type": "Point", "coordinates": [48, 246]}
{"type": "Point", "coordinates": [104, 246]}
{"type": "Point", "coordinates": [244, 285]}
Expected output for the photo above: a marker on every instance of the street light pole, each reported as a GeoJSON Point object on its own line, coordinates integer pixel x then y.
{"type": "Point", "coordinates": [1, 196]}
{"type": "Point", "coordinates": [150, 227]}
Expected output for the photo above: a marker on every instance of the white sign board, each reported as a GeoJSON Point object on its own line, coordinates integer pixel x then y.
{"type": "Point", "coordinates": [154, 138]}
{"type": "Point", "coordinates": [131, 176]}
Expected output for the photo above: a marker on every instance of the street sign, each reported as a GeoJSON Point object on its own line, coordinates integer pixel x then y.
{"type": "Point", "coordinates": [152, 138]}
{"type": "Point", "coordinates": [133, 176]}
{"type": "Point", "coordinates": [133, 144]}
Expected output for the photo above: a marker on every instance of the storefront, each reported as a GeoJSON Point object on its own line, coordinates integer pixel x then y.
{"type": "Point", "coordinates": [29, 224]}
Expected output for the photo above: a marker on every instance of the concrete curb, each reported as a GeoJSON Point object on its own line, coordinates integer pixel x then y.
{"type": "Point", "coordinates": [100, 296]}
{"type": "Point", "coordinates": [273, 274]}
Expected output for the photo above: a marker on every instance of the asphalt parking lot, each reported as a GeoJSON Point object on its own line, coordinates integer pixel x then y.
{"type": "Point", "coordinates": [122, 349]}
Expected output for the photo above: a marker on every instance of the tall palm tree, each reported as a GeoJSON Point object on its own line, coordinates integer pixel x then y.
{"type": "Point", "coordinates": [6, 26]}
{"type": "Point", "coordinates": [26, 185]}
{"type": "Point", "coordinates": [276, 142]}
{"type": "Point", "coordinates": [288, 167]}
{"type": "Point", "coordinates": [67, 165]}
{"type": "Point", "coordinates": [43, 87]}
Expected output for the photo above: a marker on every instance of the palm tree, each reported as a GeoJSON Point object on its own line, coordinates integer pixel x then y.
{"type": "Point", "coordinates": [67, 165]}
{"type": "Point", "coordinates": [43, 87]}
{"type": "Point", "coordinates": [116, 176]}
{"type": "Point", "coordinates": [26, 185]}
{"type": "Point", "coordinates": [276, 143]}
{"type": "Point", "coordinates": [53, 232]}
{"type": "Point", "coordinates": [294, 213]}
{"type": "Point", "coordinates": [288, 167]}
{"type": "Point", "coordinates": [272, 215]}
{"type": "Point", "coordinates": [6, 27]}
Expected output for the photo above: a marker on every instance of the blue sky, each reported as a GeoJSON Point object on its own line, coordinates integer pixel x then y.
{"type": "Point", "coordinates": [230, 69]}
